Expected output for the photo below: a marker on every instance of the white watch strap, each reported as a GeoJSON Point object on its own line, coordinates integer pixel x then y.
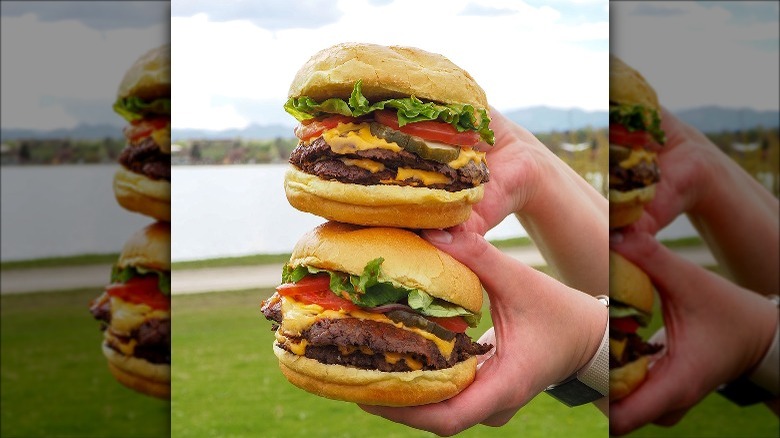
{"type": "Point", "coordinates": [596, 373]}
{"type": "Point", "coordinates": [765, 374]}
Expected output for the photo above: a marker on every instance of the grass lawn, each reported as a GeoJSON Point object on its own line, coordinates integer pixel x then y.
{"type": "Point", "coordinates": [226, 382]}
{"type": "Point", "coordinates": [53, 376]}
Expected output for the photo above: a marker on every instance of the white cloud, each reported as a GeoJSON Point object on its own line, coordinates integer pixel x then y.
{"type": "Point", "coordinates": [521, 59]}
{"type": "Point", "coordinates": [49, 64]}
{"type": "Point", "coordinates": [698, 55]}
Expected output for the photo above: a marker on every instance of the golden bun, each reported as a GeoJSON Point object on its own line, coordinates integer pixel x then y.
{"type": "Point", "coordinates": [139, 374]}
{"type": "Point", "coordinates": [150, 76]}
{"type": "Point", "coordinates": [372, 387]}
{"type": "Point", "coordinates": [624, 380]}
{"type": "Point", "coordinates": [409, 260]}
{"type": "Point", "coordinates": [149, 247]}
{"type": "Point", "coordinates": [141, 194]}
{"type": "Point", "coordinates": [628, 86]}
{"type": "Point", "coordinates": [629, 284]}
{"type": "Point", "coordinates": [625, 208]}
{"type": "Point", "coordinates": [386, 72]}
{"type": "Point", "coordinates": [379, 205]}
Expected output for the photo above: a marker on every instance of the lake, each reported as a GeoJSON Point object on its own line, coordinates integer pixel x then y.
{"type": "Point", "coordinates": [217, 211]}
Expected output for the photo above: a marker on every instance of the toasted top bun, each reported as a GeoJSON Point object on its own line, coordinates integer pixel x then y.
{"type": "Point", "coordinates": [150, 76]}
{"type": "Point", "coordinates": [149, 247]}
{"type": "Point", "coordinates": [409, 260]}
{"type": "Point", "coordinates": [387, 72]}
{"type": "Point", "coordinates": [628, 86]}
{"type": "Point", "coordinates": [629, 284]}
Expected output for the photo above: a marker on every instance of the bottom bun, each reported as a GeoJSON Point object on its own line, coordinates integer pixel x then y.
{"type": "Point", "coordinates": [624, 380]}
{"type": "Point", "coordinates": [141, 194]}
{"type": "Point", "coordinates": [371, 387]}
{"type": "Point", "coordinates": [379, 205]}
{"type": "Point", "coordinates": [139, 374]}
{"type": "Point", "coordinates": [625, 208]}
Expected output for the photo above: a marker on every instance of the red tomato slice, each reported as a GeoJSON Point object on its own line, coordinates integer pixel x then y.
{"type": "Point", "coordinates": [452, 323]}
{"type": "Point", "coordinates": [141, 290]}
{"type": "Point", "coordinates": [625, 325]}
{"type": "Point", "coordinates": [618, 134]}
{"type": "Point", "coordinates": [144, 128]}
{"type": "Point", "coordinates": [315, 289]}
{"type": "Point", "coordinates": [429, 130]}
{"type": "Point", "coordinates": [315, 127]}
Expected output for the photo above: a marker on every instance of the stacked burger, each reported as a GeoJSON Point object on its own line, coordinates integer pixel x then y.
{"type": "Point", "coordinates": [134, 309]}
{"type": "Point", "coordinates": [368, 311]}
{"type": "Point", "coordinates": [635, 136]}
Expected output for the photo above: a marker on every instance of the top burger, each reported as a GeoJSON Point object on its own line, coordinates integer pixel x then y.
{"type": "Point", "coordinates": [388, 137]}
{"type": "Point", "coordinates": [143, 183]}
{"type": "Point", "coordinates": [634, 136]}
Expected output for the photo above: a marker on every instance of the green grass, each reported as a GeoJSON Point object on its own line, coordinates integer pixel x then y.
{"type": "Point", "coordinates": [54, 379]}
{"type": "Point", "coordinates": [55, 262]}
{"type": "Point", "coordinates": [226, 382]}
{"type": "Point", "coordinates": [251, 260]}
{"type": "Point", "coordinates": [714, 416]}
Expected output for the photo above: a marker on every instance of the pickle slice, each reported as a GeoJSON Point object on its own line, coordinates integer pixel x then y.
{"type": "Point", "coordinates": [414, 320]}
{"type": "Point", "coordinates": [438, 152]}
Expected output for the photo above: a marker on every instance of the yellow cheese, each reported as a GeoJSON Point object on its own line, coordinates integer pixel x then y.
{"type": "Point", "coordinates": [126, 317]}
{"type": "Point", "coordinates": [126, 348]}
{"type": "Point", "coordinates": [392, 358]}
{"type": "Point", "coordinates": [426, 177]}
{"type": "Point", "coordinates": [299, 348]}
{"type": "Point", "coordinates": [347, 138]}
{"type": "Point", "coordinates": [616, 347]}
{"type": "Point", "coordinates": [297, 317]}
{"type": "Point", "coordinates": [465, 157]}
{"type": "Point", "coordinates": [370, 165]}
{"type": "Point", "coordinates": [162, 137]}
{"type": "Point", "coordinates": [636, 156]}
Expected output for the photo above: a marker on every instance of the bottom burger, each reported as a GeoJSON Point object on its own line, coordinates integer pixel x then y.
{"type": "Point", "coordinates": [135, 313]}
{"type": "Point", "coordinates": [375, 316]}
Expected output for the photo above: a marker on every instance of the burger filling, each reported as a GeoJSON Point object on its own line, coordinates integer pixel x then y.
{"type": "Point", "coordinates": [632, 160]}
{"type": "Point", "coordinates": [625, 345]}
{"type": "Point", "coordinates": [340, 319]}
{"type": "Point", "coordinates": [398, 141]}
{"type": "Point", "coordinates": [148, 135]}
{"type": "Point", "coordinates": [135, 314]}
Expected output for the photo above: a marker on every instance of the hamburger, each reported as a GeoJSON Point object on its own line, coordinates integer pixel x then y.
{"type": "Point", "coordinates": [143, 182]}
{"type": "Point", "coordinates": [389, 136]}
{"type": "Point", "coordinates": [634, 137]}
{"type": "Point", "coordinates": [630, 307]}
{"type": "Point", "coordinates": [375, 316]}
{"type": "Point", "coordinates": [134, 311]}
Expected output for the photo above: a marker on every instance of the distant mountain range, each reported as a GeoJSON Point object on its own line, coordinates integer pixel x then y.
{"type": "Point", "coordinates": [535, 119]}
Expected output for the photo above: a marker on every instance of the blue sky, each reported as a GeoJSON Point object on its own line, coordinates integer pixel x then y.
{"type": "Point", "coordinates": [234, 60]}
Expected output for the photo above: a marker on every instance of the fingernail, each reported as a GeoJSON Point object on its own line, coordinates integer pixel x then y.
{"type": "Point", "coordinates": [615, 237]}
{"type": "Point", "coordinates": [437, 236]}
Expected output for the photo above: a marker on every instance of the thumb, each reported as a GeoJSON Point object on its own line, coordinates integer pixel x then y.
{"type": "Point", "coordinates": [495, 269]}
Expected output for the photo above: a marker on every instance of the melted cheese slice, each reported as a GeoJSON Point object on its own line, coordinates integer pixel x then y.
{"type": "Point", "coordinates": [428, 178]}
{"type": "Point", "coordinates": [347, 138]}
{"type": "Point", "coordinates": [126, 317]}
{"type": "Point", "coordinates": [370, 165]}
{"type": "Point", "coordinates": [636, 156]}
{"type": "Point", "coordinates": [297, 317]}
{"type": "Point", "coordinates": [617, 347]}
{"type": "Point", "coordinates": [162, 137]}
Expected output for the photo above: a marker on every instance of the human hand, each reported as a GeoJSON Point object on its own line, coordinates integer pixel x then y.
{"type": "Point", "coordinates": [721, 200]}
{"type": "Point", "coordinates": [530, 311]}
{"type": "Point", "coordinates": [715, 331]}
{"type": "Point", "coordinates": [565, 217]}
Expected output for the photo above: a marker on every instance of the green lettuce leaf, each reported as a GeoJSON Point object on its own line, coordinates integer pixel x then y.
{"type": "Point", "coordinates": [638, 118]}
{"type": "Point", "coordinates": [123, 275]}
{"type": "Point", "coordinates": [134, 108]}
{"type": "Point", "coordinates": [620, 310]}
{"type": "Point", "coordinates": [366, 290]}
{"type": "Point", "coordinates": [462, 117]}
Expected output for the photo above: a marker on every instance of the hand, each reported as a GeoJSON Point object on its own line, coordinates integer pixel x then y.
{"type": "Point", "coordinates": [530, 312]}
{"type": "Point", "coordinates": [565, 217]}
{"type": "Point", "coordinates": [722, 201]}
{"type": "Point", "coordinates": [715, 331]}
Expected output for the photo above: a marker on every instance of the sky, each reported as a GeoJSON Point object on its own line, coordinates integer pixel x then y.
{"type": "Point", "coordinates": [702, 53]}
{"type": "Point", "coordinates": [234, 60]}
{"type": "Point", "coordinates": [63, 61]}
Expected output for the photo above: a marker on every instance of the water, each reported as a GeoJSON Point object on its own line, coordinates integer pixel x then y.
{"type": "Point", "coordinates": [217, 211]}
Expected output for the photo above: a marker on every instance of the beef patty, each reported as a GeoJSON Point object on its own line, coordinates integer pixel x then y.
{"type": "Point", "coordinates": [146, 158]}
